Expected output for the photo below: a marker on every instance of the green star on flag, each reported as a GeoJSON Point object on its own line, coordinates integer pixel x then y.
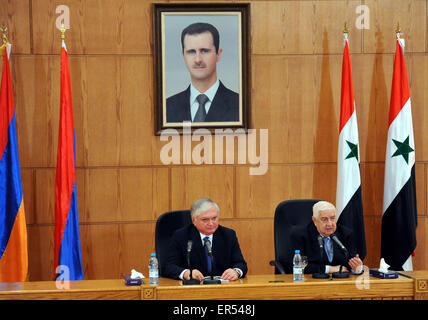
{"type": "Point", "coordinates": [403, 149]}
{"type": "Point", "coordinates": [354, 150]}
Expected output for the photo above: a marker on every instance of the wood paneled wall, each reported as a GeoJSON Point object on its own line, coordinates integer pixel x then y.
{"type": "Point", "coordinates": [123, 186]}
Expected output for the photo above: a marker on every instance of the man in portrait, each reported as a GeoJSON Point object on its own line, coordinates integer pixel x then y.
{"type": "Point", "coordinates": [206, 99]}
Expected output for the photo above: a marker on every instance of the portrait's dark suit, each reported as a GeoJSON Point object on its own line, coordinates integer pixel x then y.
{"type": "Point", "coordinates": [225, 248]}
{"type": "Point", "coordinates": [304, 238]}
{"type": "Point", "coordinates": [224, 107]}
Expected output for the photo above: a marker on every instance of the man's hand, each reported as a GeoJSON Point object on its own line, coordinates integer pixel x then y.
{"type": "Point", "coordinates": [356, 264]}
{"type": "Point", "coordinates": [230, 275]}
{"type": "Point", "coordinates": [196, 274]}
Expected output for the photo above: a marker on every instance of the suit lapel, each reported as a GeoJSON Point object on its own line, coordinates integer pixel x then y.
{"type": "Point", "coordinates": [217, 243]}
{"type": "Point", "coordinates": [199, 250]}
{"type": "Point", "coordinates": [219, 105]}
{"type": "Point", "coordinates": [185, 103]}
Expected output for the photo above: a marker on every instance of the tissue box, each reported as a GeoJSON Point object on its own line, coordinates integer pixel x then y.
{"type": "Point", "coordinates": [383, 275]}
{"type": "Point", "coordinates": [132, 282]}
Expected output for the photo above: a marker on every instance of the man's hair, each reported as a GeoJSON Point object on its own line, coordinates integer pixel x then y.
{"type": "Point", "coordinates": [203, 205]}
{"type": "Point", "coordinates": [198, 28]}
{"type": "Point", "coordinates": [322, 206]}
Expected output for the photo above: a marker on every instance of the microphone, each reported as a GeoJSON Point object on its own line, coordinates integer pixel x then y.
{"type": "Point", "coordinates": [320, 243]}
{"type": "Point", "coordinates": [340, 244]}
{"type": "Point", "coordinates": [340, 274]}
{"type": "Point", "coordinates": [210, 253]}
{"type": "Point", "coordinates": [189, 246]}
{"type": "Point", "coordinates": [320, 275]}
{"type": "Point", "coordinates": [191, 280]}
{"type": "Point", "coordinates": [209, 248]}
{"type": "Point", "coordinates": [189, 249]}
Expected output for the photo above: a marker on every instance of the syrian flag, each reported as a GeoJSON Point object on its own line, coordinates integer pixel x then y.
{"type": "Point", "coordinates": [348, 194]}
{"type": "Point", "coordinates": [399, 219]}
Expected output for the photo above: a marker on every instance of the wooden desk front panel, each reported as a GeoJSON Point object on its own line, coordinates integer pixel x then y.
{"type": "Point", "coordinates": [258, 287]}
{"type": "Point", "coordinates": [76, 290]}
{"type": "Point", "coordinates": [253, 287]}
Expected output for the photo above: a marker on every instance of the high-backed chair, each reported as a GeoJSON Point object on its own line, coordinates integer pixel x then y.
{"type": "Point", "coordinates": [166, 224]}
{"type": "Point", "coordinates": [288, 214]}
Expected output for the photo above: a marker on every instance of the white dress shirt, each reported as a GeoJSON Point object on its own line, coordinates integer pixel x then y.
{"type": "Point", "coordinates": [210, 93]}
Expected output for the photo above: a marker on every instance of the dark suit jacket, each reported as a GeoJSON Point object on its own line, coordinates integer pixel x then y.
{"type": "Point", "coordinates": [225, 247]}
{"type": "Point", "coordinates": [305, 239]}
{"type": "Point", "coordinates": [224, 107]}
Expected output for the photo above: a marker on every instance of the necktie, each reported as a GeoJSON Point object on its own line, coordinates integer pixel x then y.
{"type": "Point", "coordinates": [201, 113]}
{"type": "Point", "coordinates": [207, 255]}
{"type": "Point", "coordinates": [328, 248]}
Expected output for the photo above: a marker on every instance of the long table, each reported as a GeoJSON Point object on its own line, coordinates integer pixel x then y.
{"type": "Point", "coordinates": [413, 285]}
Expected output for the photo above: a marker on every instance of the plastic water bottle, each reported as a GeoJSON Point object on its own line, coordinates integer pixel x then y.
{"type": "Point", "coordinates": [153, 270]}
{"type": "Point", "coordinates": [297, 266]}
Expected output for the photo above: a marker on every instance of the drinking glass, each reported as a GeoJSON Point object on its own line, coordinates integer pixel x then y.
{"type": "Point", "coordinates": [304, 264]}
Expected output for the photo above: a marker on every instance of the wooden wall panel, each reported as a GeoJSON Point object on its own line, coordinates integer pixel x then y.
{"type": "Point", "coordinates": [298, 101]}
{"type": "Point", "coordinates": [372, 77]}
{"type": "Point", "coordinates": [191, 183]}
{"type": "Point", "coordinates": [107, 195]}
{"type": "Point", "coordinates": [127, 194]}
{"type": "Point", "coordinates": [417, 70]}
{"type": "Point", "coordinates": [258, 196]}
{"type": "Point", "coordinates": [37, 92]}
{"type": "Point", "coordinates": [122, 183]}
{"type": "Point", "coordinates": [255, 237]}
{"type": "Point", "coordinates": [15, 15]}
{"type": "Point", "coordinates": [44, 190]}
{"type": "Point", "coordinates": [99, 244]}
{"type": "Point", "coordinates": [425, 186]}
{"type": "Point", "coordinates": [420, 188]}
{"type": "Point", "coordinates": [40, 252]}
{"type": "Point", "coordinates": [373, 225]}
{"type": "Point", "coordinates": [118, 111]}
{"type": "Point", "coordinates": [384, 16]}
{"type": "Point", "coordinates": [372, 177]}
{"type": "Point", "coordinates": [300, 27]}
{"type": "Point", "coordinates": [420, 260]}
{"type": "Point", "coordinates": [27, 177]}
{"type": "Point", "coordinates": [111, 250]}
{"type": "Point", "coordinates": [96, 27]}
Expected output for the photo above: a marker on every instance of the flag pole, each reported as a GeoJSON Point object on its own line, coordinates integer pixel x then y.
{"type": "Point", "coordinates": [345, 33]}
{"type": "Point", "coordinates": [4, 40]}
{"type": "Point", "coordinates": [398, 34]}
{"type": "Point", "coordinates": [345, 29]}
{"type": "Point", "coordinates": [63, 29]}
{"type": "Point", "coordinates": [398, 31]}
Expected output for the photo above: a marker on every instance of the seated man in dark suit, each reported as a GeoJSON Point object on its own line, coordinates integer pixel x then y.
{"type": "Point", "coordinates": [206, 99]}
{"type": "Point", "coordinates": [323, 224]}
{"type": "Point", "coordinates": [228, 261]}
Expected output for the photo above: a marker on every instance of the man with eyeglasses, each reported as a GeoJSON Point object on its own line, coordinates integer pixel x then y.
{"type": "Point", "coordinates": [228, 261]}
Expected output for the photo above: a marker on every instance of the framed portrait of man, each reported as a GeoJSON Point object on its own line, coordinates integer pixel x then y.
{"type": "Point", "coordinates": [201, 65]}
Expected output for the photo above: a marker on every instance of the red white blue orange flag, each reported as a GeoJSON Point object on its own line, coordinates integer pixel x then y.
{"type": "Point", "coordinates": [68, 260]}
{"type": "Point", "coordinates": [399, 219]}
{"type": "Point", "coordinates": [348, 193]}
{"type": "Point", "coordinates": [13, 228]}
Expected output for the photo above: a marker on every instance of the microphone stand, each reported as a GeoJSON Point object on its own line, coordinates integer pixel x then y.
{"type": "Point", "coordinates": [320, 275]}
{"type": "Point", "coordinates": [210, 279]}
{"type": "Point", "coordinates": [340, 274]}
{"type": "Point", "coordinates": [191, 281]}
